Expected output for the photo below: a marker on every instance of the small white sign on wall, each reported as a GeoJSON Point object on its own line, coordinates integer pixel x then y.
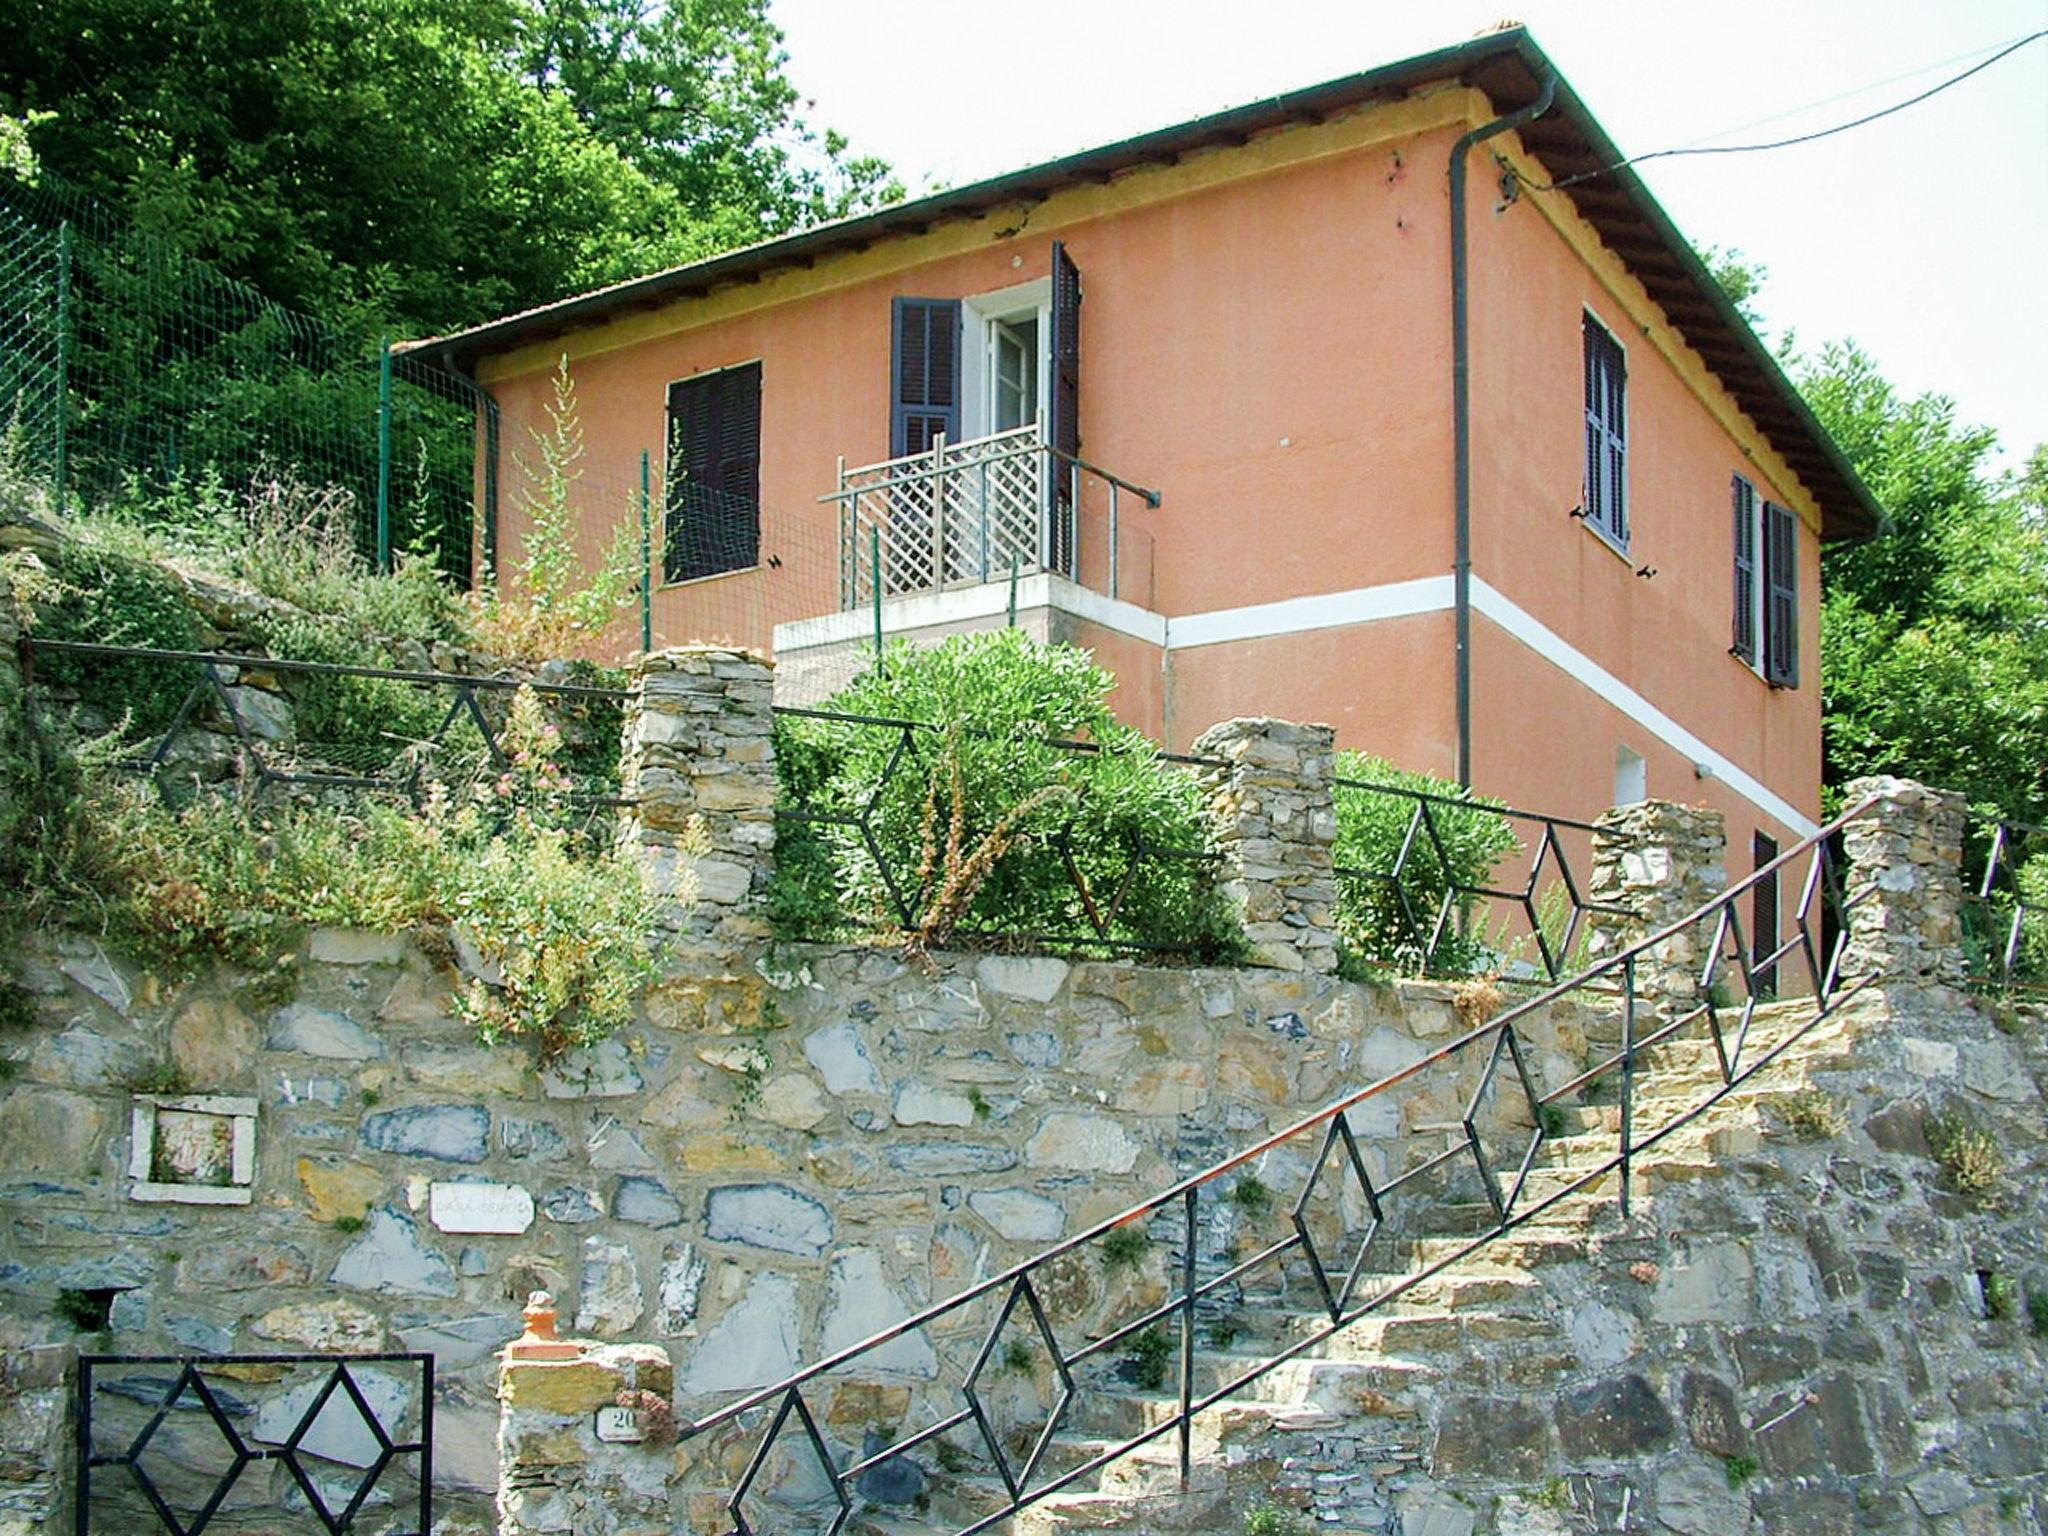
{"type": "Point", "coordinates": [192, 1149]}
{"type": "Point", "coordinates": [620, 1426]}
{"type": "Point", "coordinates": [463, 1206]}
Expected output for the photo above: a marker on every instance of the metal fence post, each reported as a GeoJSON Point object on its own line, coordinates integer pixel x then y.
{"type": "Point", "coordinates": [384, 455]}
{"type": "Point", "coordinates": [63, 364]}
{"type": "Point", "coordinates": [875, 563]}
{"type": "Point", "coordinates": [1628, 1074]}
{"type": "Point", "coordinates": [646, 560]}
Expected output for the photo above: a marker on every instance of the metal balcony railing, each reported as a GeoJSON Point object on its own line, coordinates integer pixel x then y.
{"type": "Point", "coordinates": [986, 509]}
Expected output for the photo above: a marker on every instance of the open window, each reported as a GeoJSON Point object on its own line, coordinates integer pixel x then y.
{"type": "Point", "coordinates": [973, 368]}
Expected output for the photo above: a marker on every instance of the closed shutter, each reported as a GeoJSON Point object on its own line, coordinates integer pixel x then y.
{"type": "Point", "coordinates": [712, 513]}
{"type": "Point", "coordinates": [1781, 596]}
{"type": "Point", "coordinates": [1064, 424]}
{"type": "Point", "coordinates": [1606, 433]}
{"type": "Point", "coordinates": [1743, 644]}
{"type": "Point", "coordinates": [924, 375]}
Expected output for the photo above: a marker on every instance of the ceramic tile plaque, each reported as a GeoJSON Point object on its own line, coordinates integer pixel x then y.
{"type": "Point", "coordinates": [192, 1149]}
{"type": "Point", "coordinates": [463, 1206]}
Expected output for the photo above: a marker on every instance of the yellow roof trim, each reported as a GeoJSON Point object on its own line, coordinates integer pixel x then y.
{"type": "Point", "coordinates": [1276, 150]}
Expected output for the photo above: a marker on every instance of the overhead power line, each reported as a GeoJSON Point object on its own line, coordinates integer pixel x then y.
{"type": "Point", "coordinates": [1803, 138]}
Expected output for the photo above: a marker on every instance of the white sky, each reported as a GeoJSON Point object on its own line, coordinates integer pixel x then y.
{"type": "Point", "coordinates": [1923, 236]}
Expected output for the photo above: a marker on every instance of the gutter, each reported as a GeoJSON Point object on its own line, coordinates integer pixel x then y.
{"type": "Point", "coordinates": [1461, 410]}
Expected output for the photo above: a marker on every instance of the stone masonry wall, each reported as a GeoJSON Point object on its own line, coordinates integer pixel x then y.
{"type": "Point", "coordinates": [777, 1159]}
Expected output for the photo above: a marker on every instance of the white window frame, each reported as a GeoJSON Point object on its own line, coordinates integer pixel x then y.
{"type": "Point", "coordinates": [978, 315]}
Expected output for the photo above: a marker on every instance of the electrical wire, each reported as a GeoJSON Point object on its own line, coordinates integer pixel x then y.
{"type": "Point", "coordinates": [1803, 138]}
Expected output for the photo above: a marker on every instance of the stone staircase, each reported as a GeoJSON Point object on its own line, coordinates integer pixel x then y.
{"type": "Point", "coordinates": [1316, 1436]}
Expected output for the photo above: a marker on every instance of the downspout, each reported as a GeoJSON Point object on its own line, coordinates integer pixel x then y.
{"type": "Point", "coordinates": [1461, 410]}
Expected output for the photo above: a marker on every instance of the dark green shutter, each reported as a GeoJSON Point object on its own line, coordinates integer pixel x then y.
{"type": "Point", "coordinates": [712, 519]}
{"type": "Point", "coordinates": [1743, 644]}
{"type": "Point", "coordinates": [1064, 419]}
{"type": "Point", "coordinates": [1781, 596]}
{"type": "Point", "coordinates": [924, 374]}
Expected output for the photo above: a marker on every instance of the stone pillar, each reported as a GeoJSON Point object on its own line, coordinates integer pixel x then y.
{"type": "Point", "coordinates": [1657, 861]}
{"type": "Point", "coordinates": [1905, 883]}
{"type": "Point", "coordinates": [38, 1385]}
{"type": "Point", "coordinates": [562, 1406]}
{"type": "Point", "coordinates": [699, 763]}
{"type": "Point", "coordinates": [1277, 828]}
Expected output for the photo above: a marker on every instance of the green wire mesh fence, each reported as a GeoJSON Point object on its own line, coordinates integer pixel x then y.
{"type": "Point", "coordinates": [126, 364]}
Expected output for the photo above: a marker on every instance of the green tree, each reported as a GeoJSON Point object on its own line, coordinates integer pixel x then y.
{"type": "Point", "coordinates": [401, 158]}
{"type": "Point", "coordinates": [1934, 637]}
{"type": "Point", "coordinates": [693, 94]}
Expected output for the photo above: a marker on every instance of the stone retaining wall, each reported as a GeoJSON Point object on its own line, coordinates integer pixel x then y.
{"type": "Point", "coordinates": [775, 1161]}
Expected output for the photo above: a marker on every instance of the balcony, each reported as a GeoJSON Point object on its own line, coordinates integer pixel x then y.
{"type": "Point", "coordinates": [1003, 529]}
{"type": "Point", "coordinates": [989, 509]}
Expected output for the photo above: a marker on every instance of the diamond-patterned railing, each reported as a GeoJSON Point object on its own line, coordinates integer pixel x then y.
{"type": "Point", "coordinates": [190, 1420]}
{"type": "Point", "coordinates": [465, 740]}
{"type": "Point", "coordinates": [1373, 1196]}
{"type": "Point", "coordinates": [1448, 900]}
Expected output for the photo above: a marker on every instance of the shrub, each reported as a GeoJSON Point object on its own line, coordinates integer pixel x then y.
{"type": "Point", "coordinates": [563, 934]}
{"type": "Point", "coordinates": [105, 597]}
{"type": "Point", "coordinates": [2001, 1295]}
{"type": "Point", "coordinates": [289, 539]}
{"type": "Point", "coordinates": [559, 602]}
{"type": "Point", "coordinates": [1151, 1353]}
{"type": "Point", "coordinates": [1125, 1247]}
{"type": "Point", "coordinates": [362, 722]}
{"type": "Point", "coordinates": [1268, 1520]}
{"type": "Point", "coordinates": [1387, 921]}
{"type": "Point", "coordinates": [979, 818]}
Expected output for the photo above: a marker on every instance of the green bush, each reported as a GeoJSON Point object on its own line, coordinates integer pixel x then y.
{"type": "Point", "coordinates": [362, 722]}
{"type": "Point", "coordinates": [107, 597]}
{"type": "Point", "coordinates": [1374, 926]}
{"type": "Point", "coordinates": [2032, 963]}
{"type": "Point", "coordinates": [566, 933]}
{"type": "Point", "coordinates": [986, 796]}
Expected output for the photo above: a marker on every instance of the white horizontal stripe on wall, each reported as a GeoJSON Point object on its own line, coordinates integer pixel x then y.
{"type": "Point", "coordinates": [1435, 594]}
{"type": "Point", "coordinates": [1328, 610]}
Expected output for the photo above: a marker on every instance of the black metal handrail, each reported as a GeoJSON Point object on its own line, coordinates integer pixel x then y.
{"type": "Point", "coordinates": [1426, 867]}
{"type": "Point", "coordinates": [270, 763]}
{"type": "Point", "coordinates": [1097, 911]}
{"type": "Point", "coordinates": [1997, 907]}
{"type": "Point", "coordinates": [1820, 937]}
{"type": "Point", "coordinates": [190, 1384]}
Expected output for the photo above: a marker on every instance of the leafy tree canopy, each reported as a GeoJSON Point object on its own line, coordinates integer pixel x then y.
{"type": "Point", "coordinates": [1934, 637]}
{"type": "Point", "coordinates": [430, 163]}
